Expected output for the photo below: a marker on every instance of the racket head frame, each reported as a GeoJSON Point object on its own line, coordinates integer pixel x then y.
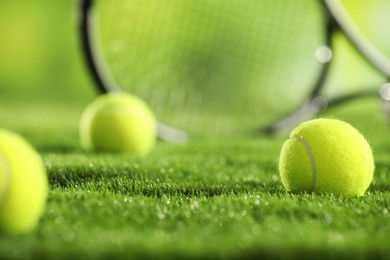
{"type": "Point", "coordinates": [100, 74]}
{"type": "Point", "coordinates": [315, 103]}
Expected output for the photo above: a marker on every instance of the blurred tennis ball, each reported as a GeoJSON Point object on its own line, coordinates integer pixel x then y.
{"type": "Point", "coordinates": [118, 122]}
{"type": "Point", "coordinates": [326, 156]}
{"type": "Point", "coordinates": [23, 184]}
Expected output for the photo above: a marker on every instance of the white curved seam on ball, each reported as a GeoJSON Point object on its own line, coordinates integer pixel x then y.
{"type": "Point", "coordinates": [3, 194]}
{"type": "Point", "coordinates": [312, 163]}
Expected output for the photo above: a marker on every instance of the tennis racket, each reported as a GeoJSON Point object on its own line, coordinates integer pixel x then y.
{"type": "Point", "coordinates": [217, 67]}
{"type": "Point", "coordinates": [370, 40]}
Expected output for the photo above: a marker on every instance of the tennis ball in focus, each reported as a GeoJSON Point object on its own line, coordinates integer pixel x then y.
{"type": "Point", "coordinates": [118, 122]}
{"type": "Point", "coordinates": [326, 156]}
{"type": "Point", "coordinates": [23, 184]}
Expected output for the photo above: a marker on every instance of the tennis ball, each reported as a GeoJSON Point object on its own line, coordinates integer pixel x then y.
{"type": "Point", "coordinates": [23, 184]}
{"type": "Point", "coordinates": [118, 122]}
{"type": "Point", "coordinates": [326, 156]}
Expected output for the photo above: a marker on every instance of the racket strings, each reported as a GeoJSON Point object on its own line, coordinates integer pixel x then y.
{"type": "Point", "coordinates": [353, 72]}
{"type": "Point", "coordinates": [219, 62]}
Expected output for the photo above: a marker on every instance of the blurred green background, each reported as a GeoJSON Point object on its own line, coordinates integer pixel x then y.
{"type": "Point", "coordinates": [42, 72]}
{"type": "Point", "coordinates": [44, 84]}
{"type": "Point", "coordinates": [40, 55]}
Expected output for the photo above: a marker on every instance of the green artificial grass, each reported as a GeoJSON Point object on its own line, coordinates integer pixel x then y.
{"type": "Point", "coordinates": [201, 199]}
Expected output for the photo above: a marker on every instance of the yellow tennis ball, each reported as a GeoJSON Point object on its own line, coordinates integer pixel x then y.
{"type": "Point", "coordinates": [326, 156]}
{"type": "Point", "coordinates": [23, 184]}
{"type": "Point", "coordinates": [118, 122]}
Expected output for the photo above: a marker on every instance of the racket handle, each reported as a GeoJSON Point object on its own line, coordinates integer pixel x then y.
{"type": "Point", "coordinates": [307, 111]}
{"type": "Point", "coordinates": [170, 134]}
{"type": "Point", "coordinates": [318, 104]}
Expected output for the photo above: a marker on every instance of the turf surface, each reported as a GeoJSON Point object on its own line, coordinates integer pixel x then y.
{"type": "Point", "coordinates": [202, 199]}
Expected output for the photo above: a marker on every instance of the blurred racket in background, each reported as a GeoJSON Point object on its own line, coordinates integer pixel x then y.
{"type": "Point", "coordinates": [217, 67]}
{"type": "Point", "coordinates": [356, 57]}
